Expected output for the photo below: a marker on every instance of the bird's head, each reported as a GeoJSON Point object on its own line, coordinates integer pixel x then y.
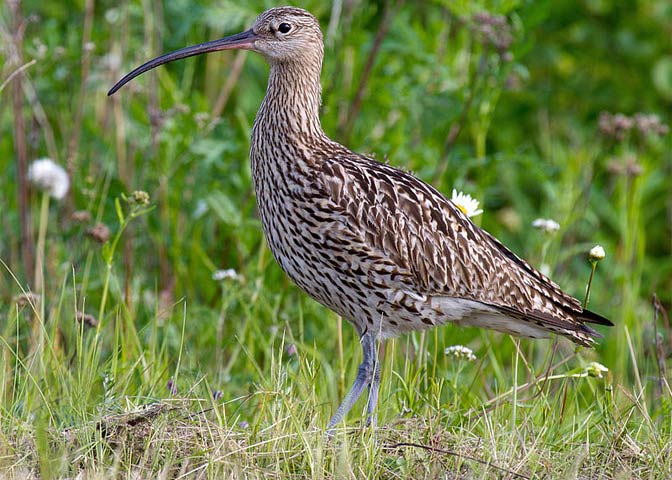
{"type": "Point", "coordinates": [286, 34]}
{"type": "Point", "coordinates": [281, 35]}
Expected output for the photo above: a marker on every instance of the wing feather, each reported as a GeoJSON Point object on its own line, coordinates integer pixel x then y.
{"type": "Point", "coordinates": [434, 249]}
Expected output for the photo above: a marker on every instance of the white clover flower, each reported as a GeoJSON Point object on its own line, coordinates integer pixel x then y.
{"type": "Point", "coordinates": [596, 253]}
{"type": "Point", "coordinates": [466, 203]}
{"type": "Point", "coordinates": [47, 175]}
{"type": "Point", "coordinates": [546, 225]}
{"type": "Point", "coordinates": [594, 369]}
{"type": "Point", "coordinates": [460, 352]}
{"type": "Point", "coordinates": [229, 273]}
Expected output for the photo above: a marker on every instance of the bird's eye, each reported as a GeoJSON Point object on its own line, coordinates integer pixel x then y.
{"type": "Point", "coordinates": [284, 28]}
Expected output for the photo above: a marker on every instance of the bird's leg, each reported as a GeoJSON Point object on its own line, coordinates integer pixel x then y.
{"type": "Point", "coordinates": [372, 419]}
{"type": "Point", "coordinates": [366, 375]}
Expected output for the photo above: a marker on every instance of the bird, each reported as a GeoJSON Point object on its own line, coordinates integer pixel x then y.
{"type": "Point", "coordinates": [371, 242]}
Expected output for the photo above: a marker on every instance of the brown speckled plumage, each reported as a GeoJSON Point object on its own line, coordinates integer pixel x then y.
{"type": "Point", "coordinates": [371, 242]}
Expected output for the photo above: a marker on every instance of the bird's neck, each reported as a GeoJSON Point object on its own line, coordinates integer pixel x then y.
{"type": "Point", "coordinates": [291, 107]}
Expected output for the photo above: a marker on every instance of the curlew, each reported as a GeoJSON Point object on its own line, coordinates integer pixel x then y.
{"type": "Point", "coordinates": [373, 243]}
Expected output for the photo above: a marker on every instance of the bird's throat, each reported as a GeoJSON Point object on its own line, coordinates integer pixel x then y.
{"type": "Point", "coordinates": [292, 100]}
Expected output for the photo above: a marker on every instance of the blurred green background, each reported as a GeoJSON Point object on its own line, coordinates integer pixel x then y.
{"type": "Point", "coordinates": [529, 144]}
{"type": "Point", "coordinates": [499, 99]}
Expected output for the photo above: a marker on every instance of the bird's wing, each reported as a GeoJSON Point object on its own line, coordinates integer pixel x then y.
{"type": "Point", "coordinates": [436, 250]}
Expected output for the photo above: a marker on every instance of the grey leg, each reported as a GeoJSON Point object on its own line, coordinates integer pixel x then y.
{"type": "Point", "coordinates": [372, 419]}
{"type": "Point", "coordinates": [366, 376]}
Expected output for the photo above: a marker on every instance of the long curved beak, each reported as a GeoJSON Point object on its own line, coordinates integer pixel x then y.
{"type": "Point", "coordinates": [244, 40]}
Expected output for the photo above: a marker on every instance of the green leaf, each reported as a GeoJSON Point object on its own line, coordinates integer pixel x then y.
{"type": "Point", "coordinates": [225, 209]}
{"type": "Point", "coordinates": [662, 76]}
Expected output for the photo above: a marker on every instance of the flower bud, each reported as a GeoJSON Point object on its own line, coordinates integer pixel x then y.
{"type": "Point", "coordinates": [596, 254]}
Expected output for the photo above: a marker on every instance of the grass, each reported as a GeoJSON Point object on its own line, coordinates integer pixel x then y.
{"type": "Point", "coordinates": [131, 361]}
{"type": "Point", "coordinates": [103, 408]}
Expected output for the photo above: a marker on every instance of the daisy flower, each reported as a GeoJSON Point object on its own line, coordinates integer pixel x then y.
{"type": "Point", "coordinates": [467, 204]}
{"type": "Point", "coordinates": [546, 225]}
{"type": "Point", "coordinates": [230, 273]}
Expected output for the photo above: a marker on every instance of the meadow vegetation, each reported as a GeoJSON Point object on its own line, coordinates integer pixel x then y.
{"type": "Point", "coordinates": [147, 332]}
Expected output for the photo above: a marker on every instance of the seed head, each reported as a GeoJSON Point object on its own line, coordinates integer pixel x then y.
{"type": "Point", "coordinates": [139, 197]}
{"type": "Point", "coordinates": [495, 31]}
{"type": "Point", "coordinates": [80, 216]}
{"type": "Point", "coordinates": [627, 164]}
{"type": "Point", "coordinates": [47, 175]}
{"type": "Point", "coordinates": [27, 298]}
{"type": "Point", "coordinates": [87, 319]}
{"type": "Point", "coordinates": [650, 124]}
{"type": "Point", "coordinates": [614, 125]}
{"type": "Point", "coordinates": [100, 233]}
{"type": "Point", "coordinates": [633, 168]}
{"type": "Point", "coordinates": [617, 125]}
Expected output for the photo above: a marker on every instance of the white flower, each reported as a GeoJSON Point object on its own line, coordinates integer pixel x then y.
{"type": "Point", "coordinates": [596, 253]}
{"type": "Point", "coordinates": [47, 175]}
{"type": "Point", "coordinates": [460, 352]}
{"type": "Point", "coordinates": [201, 209]}
{"type": "Point", "coordinates": [112, 16]}
{"type": "Point", "coordinates": [594, 369]}
{"type": "Point", "coordinates": [230, 273]}
{"type": "Point", "coordinates": [466, 203]}
{"type": "Point", "coordinates": [546, 225]}
{"type": "Point", "coordinates": [111, 61]}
